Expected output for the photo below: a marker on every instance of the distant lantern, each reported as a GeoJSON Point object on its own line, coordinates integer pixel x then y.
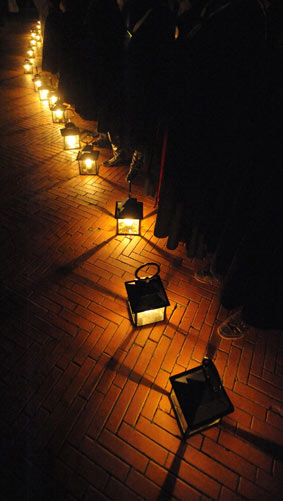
{"type": "Point", "coordinates": [71, 136]}
{"type": "Point", "coordinates": [53, 98]}
{"type": "Point", "coordinates": [38, 37]}
{"type": "Point", "coordinates": [88, 160]}
{"type": "Point", "coordinates": [147, 299]}
{"type": "Point", "coordinates": [198, 398]}
{"type": "Point", "coordinates": [59, 113]}
{"type": "Point", "coordinates": [129, 214]}
{"type": "Point", "coordinates": [43, 91]}
{"type": "Point", "coordinates": [33, 34]}
{"type": "Point", "coordinates": [37, 81]}
{"type": "Point", "coordinates": [32, 42]}
{"type": "Point", "coordinates": [28, 66]}
{"type": "Point", "coordinates": [30, 53]}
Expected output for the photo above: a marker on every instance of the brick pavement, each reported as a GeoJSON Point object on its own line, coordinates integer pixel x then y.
{"type": "Point", "coordinates": [85, 413]}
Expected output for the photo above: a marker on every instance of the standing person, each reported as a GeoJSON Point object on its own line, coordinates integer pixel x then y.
{"type": "Point", "coordinates": [149, 31]}
{"type": "Point", "coordinates": [103, 62]}
{"type": "Point", "coordinates": [216, 103]}
{"type": "Point", "coordinates": [52, 38]}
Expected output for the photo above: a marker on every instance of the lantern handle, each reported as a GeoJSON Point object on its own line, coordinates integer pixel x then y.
{"type": "Point", "coordinates": [150, 276]}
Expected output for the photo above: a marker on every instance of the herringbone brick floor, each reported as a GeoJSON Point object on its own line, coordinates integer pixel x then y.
{"type": "Point", "coordinates": [85, 413]}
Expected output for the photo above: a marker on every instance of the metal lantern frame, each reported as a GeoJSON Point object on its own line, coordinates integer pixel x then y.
{"type": "Point", "coordinates": [129, 214]}
{"type": "Point", "coordinates": [53, 98]}
{"type": "Point", "coordinates": [55, 109]}
{"type": "Point", "coordinates": [147, 299]}
{"type": "Point", "coordinates": [88, 161]}
{"type": "Point", "coordinates": [70, 130]}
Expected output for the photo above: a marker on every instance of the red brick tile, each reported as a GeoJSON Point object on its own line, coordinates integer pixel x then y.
{"type": "Point", "coordinates": [245, 450]}
{"type": "Point", "coordinates": [137, 402]}
{"type": "Point", "coordinates": [245, 362]}
{"type": "Point", "coordinates": [142, 486]}
{"type": "Point", "coordinates": [143, 444]}
{"type": "Point", "coordinates": [229, 459]}
{"type": "Point", "coordinates": [258, 357]}
{"type": "Point", "coordinates": [247, 405]}
{"type": "Point", "coordinates": [104, 458]}
{"type": "Point", "coordinates": [265, 387]}
{"type": "Point", "coordinates": [231, 368]}
{"type": "Point", "coordinates": [154, 396]}
{"type": "Point", "coordinates": [267, 432]}
{"type": "Point", "coordinates": [158, 357]}
{"type": "Point", "coordinates": [94, 377]}
{"type": "Point", "coordinates": [103, 341]}
{"type": "Point", "coordinates": [172, 352]}
{"type": "Point", "coordinates": [86, 347]}
{"type": "Point", "coordinates": [82, 424]}
{"type": "Point", "coordinates": [95, 475]}
{"type": "Point", "coordinates": [124, 451]}
{"type": "Point", "coordinates": [117, 491]}
{"type": "Point", "coordinates": [193, 476]}
{"type": "Point", "coordinates": [170, 484]}
{"type": "Point", "coordinates": [251, 491]}
{"type": "Point", "coordinates": [103, 412]}
{"type": "Point", "coordinates": [121, 406]}
{"type": "Point", "coordinates": [228, 495]}
{"type": "Point", "coordinates": [272, 485]}
{"type": "Point", "coordinates": [187, 348]}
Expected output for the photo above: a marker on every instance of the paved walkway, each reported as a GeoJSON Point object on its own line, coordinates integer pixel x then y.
{"type": "Point", "coordinates": [85, 413]}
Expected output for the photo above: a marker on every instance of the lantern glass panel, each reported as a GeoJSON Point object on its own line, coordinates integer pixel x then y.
{"type": "Point", "coordinates": [43, 93]}
{"type": "Point", "coordinates": [150, 316]}
{"type": "Point", "coordinates": [72, 142]}
{"type": "Point", "coordinates": [128, 227]}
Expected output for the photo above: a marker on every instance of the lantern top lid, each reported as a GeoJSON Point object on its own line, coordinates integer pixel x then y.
{"type": "Point", "coordinates": [129, 208]}
{"type": "Point", "coordinates": [58, 106]}
{"type": "Point", "coordinates": [88, 152]}
{"type": "Point", "coordinates": [70, 129]}
{"type": "Point", "coordinates": [146, 293]}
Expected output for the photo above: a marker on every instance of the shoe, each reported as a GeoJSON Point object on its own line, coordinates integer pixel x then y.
{"type": "Point", "coordinates": [118, 158]}
{"type": "Point", "coordinates": [233, 327]}
{"type": "Point", "coordinates": [135, 166]}
{"type": "Point", "coordinates": [206, 276]}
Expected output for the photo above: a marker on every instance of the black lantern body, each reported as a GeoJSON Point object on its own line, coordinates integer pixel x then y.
{"type": "Point", "coordinates": [198, 398]}
{"type": "Point", "coordinates": [88, 161]}
{"type": "Point", "coordinates": [147, 299]}
{"type": "Point", "coordinates": [71, 137]}
{"type": "Point", "coordinates": [58, 113]}
{"type": "Point", "coordinates": [129, 214]}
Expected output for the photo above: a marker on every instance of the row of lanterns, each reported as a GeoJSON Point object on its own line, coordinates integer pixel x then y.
{"type": "Point", "coordinates": [147, 299]}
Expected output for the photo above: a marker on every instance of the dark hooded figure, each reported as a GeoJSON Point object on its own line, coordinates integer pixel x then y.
{"type": "Point", "coordinates": [103, 67]}
{"type": "Point", "coordinates": [71, 47]}
{"type": "Point", "coordinates": [215, 113]}
{"type": "Point", "coordinates": [149, 31]}
{"type": "Point", "coordinates": [52, 38]}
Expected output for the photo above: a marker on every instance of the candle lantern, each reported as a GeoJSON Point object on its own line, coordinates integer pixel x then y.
{"type": "Point", "coordinates": [198, 398]}
{"type": "Point", "coordinates": [30, 53]}
{"type": "Point", "coordinates": [28, 66]}
{"type": "Point", "coordinates": [53, 98]}
{"type": "Point", "coordinates": [43, 91]}
{"type": "Point", "coordinates": [32, 42]}
{"type": "Point", "coordinates": [33, 33]}
{"type": "Point", "coordinates": [58, 112]}
{"type": "Point", "coordinates": [37, 81]}
{"type": "Point", "coordinates": [71, 136]}
{"type": "Point", "coordinates": [147, 299]}
{"type": "Point", "coordinates": [38, 37]}
{"type": "Point", "coordinates": [129, 214]}
{"type": "Point", "coordinates": [88, 160]}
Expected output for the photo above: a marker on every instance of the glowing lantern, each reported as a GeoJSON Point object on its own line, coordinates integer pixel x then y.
{"type": "Point", "coordinates": [33, 34]}
{"type": "Point", "coordinates": [58, 113]}
{"type": "Point", "coordinates": [88, 160]}
{"type": "Point", "coordinates": [43, 91]}
{"type": "Point", "coordinates": [129, 214]}
{"type": "Point", "coordinates": [32, 42]}
{"type": "Point", "coordinates": [28, 66]}
{"type": "Point", "coordinates": [30, 53]}
{"type": "Point", "coordinates": [71, 136]}
{"type": "Point", "coordinates": [37, 81]}
{"type": "Point", "coordinates": [53, 98]}
{"type": "Point", "coordinates": [147, 299]}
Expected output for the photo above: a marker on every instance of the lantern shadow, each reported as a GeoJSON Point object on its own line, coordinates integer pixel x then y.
{"type": "Point", "coordinates": [71, 265]}
{"type": "Point", "coordinates": [169, 484]}
{"type": "Point", "coordinates": [175, 261]}
{"type": "Point", "coordinates": [212, 344]}
{"type": "Point", "coordinates": [115, 185]}
{"type": "Point", "coordinates": [82, 280]}
{"type": "Point", "coordinates": [152, 213]}
{"type": "Point", "coordinates": [267, 446]}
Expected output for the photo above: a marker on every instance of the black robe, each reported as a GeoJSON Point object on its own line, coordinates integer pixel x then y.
{"type": "Point", "coordinates": [215, 110]}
